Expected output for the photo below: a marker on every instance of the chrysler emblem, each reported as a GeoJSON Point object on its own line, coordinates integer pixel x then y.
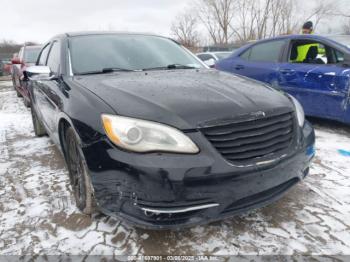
{"type": "Point", "coordinates": [259, 114]}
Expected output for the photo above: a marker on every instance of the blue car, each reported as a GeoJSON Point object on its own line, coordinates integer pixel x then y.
{"type": "Point", "coordinates": [314, 69]}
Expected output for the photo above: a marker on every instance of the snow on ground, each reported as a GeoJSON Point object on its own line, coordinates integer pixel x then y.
{"type": "Point", "coordinates": [38, 216]}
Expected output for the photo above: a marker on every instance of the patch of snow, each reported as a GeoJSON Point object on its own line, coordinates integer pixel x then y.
{"type": "Point", "coordinates": [38, 212]}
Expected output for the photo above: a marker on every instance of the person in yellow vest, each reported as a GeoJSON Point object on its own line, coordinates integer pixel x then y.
{"type": "Point", "coordinates": [307, 29]}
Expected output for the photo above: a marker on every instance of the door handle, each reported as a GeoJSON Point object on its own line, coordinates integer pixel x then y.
{"type": "Point", "coordinates": [287, 71]}
{"type": "Point", "coordinates": [239, 67]}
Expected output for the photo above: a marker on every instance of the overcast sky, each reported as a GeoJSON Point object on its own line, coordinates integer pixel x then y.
{"type": "Point", "coordinates": [39, 20]}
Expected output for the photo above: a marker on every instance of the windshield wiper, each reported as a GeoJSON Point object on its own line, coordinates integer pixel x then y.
{"type": "Point", "coordinates": [106, 70]}
{"type": "Point", "coordinates": [172, 66]}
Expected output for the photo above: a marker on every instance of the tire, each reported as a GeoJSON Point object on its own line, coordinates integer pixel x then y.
{"type": "Point", "coordinates": [78, 173]}
{"type": "Point", "coordinates": [39, 129]}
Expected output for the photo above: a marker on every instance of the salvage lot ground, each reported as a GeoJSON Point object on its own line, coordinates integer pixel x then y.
{"type": "Point", "coordinates": [38, 216]}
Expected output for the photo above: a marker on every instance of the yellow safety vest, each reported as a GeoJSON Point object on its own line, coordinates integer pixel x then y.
{"type": "Point", "coordinates": [304, 49]}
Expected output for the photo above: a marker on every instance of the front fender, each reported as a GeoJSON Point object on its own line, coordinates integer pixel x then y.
{"type": "Point", "coordinates": [80, 109]}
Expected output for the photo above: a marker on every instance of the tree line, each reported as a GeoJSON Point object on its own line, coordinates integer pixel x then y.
{"type": "Point", "coordinates": [11, 47]}
{"type": "Point", "coordinates": [240, 21]}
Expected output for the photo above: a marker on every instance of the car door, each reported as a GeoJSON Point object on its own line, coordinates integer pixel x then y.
{"type": "Point", "coordinates": [260, 61]}
{"type": "Point", "coordinates": [50, 89]}
{"type": "Point", "coordinates": [321, 85]}
{"type": "Point", "coordinates": [37, 86]}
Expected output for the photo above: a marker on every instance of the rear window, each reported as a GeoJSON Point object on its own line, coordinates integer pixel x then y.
{"type": "Point", "coordinates": [31, 55]}
{"type": "Point", "coordinates": [265, 52]}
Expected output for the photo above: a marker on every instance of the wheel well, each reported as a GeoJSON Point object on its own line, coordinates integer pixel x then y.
{"type": "Point", "coordinates": [62, 128]}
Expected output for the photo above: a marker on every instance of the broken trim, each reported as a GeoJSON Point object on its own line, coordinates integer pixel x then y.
{"type": "Point", "coordinates": [178, 210]}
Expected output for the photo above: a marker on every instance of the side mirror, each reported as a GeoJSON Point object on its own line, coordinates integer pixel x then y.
{"type": "Point", "coordinates": [16, 61]}
{"type": "Point", "coordinates": [38, 73]}
{"type": "Point", "coordinates": [210, 62]}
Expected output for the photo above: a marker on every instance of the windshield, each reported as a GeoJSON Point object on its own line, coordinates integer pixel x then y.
{"type": "Point", "coordinates": [31, 55]}
{"type": "Point", "coordinates": [223, 55]}
{"type": "Point", "coordinates": [342, 39]}
{"type": "Point", "coordinates": [95, 53]}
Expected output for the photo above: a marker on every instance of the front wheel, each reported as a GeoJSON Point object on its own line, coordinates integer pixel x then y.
{"type": "Point", "coordinates": [79, 177]}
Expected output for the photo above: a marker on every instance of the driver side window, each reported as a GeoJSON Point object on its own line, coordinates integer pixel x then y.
{"type": "Point", "coordinates": [53, 60]}
{"type": "Point", "coordinates": [311, 52]}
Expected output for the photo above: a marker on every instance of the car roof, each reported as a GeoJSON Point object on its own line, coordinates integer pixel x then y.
{"type": "Point", "coordinates": [291, 37]}
{"type": "Point", "coordinates": [33, 46]}
{"type": "Point", "coordinates": [304, 37]}
{"type": "Point", "coordinates": [296, 36]}
{"type": "Point", "coordinates": [86, 33]}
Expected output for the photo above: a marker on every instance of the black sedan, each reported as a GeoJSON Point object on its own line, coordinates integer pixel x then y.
{"type": "Point", "coordinates": [152, 136]}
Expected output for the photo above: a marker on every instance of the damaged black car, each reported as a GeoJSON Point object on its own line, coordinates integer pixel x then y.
{"type": "Point", "coordinates": [154, 137]}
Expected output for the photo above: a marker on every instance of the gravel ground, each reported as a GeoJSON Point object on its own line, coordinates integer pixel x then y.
{"type": "Point", "coordinates": [38, 215]}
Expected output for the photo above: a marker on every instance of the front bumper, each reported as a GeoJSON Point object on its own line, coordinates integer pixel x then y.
{"type": "Point", "coordinates": [168, 191]}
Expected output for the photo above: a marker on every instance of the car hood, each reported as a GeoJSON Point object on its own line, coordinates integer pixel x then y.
{"type": "Point", "coordinates": [186, 99]}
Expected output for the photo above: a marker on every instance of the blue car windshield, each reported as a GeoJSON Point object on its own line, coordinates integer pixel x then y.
{"type": "Point", "coordinates": [95, 53]}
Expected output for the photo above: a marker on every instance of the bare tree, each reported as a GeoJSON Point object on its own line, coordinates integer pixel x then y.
{"type": "Point", "coordinates": [217, 15]}
{"type": "Point", "coordinates": [184, 29]}
{"type": "Point", "coordinates": [323, 9]}
{"type": "Point", "coordinates": [283, 17]}
{"type": "Point", "coordinates": [263, 18]}
{"type": "Point", "coordinates": [245, 28]}
{"type": "Point", "coordinates": [9, 46]}
{"type": "Point", "coordinates": [346, 27]}
{"type": "Point", "coordinates": [228, 21]}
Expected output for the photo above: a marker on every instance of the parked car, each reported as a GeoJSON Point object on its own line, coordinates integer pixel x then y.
{"type": "Point", "coordinates": [210, 58]}
{"type": "Point", "coordinates": [152, 136]}
{"type": "Point", "coordinates": [27, 56]}
{"type": "Point", "coordinates": [1, 68]}
{"type": "Point", "coordinates": [320, 81]}
{"type": "Point", "coordinates": [14, 57]}
{"type": "Point", "coordinates": [6, 66]}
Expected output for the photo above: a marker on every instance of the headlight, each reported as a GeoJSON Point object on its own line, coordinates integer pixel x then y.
{"type": "Point", "coordinates": [146, 136]}
{"type": "Point", "coordinates": [299, 110]}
